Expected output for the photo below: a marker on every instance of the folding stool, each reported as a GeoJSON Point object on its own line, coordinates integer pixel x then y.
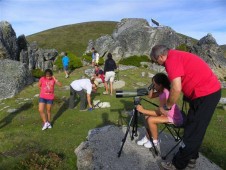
{"type": "Point", "coordinates": [175, 130]}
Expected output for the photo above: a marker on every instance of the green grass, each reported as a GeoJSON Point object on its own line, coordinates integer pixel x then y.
{"type": "Point", "coordinates": [73, 38]}
{"type": "Point", "coordinates": [23, 142]}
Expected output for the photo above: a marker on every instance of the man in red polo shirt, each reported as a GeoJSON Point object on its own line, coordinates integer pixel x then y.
{"type": "Point", "coordinates": [189, 74]}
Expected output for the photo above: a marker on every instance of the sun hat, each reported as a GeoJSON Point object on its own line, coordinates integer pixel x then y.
{"type": "Point", "coordinates": [96, 82]}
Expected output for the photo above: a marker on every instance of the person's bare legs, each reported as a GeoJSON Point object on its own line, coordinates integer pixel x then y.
{"type": "Point", "coordinates": [106, 86]}
{"type": "Point", "coordinates": [41, 108]}
{"type": "Point", "coordinates": [48, 110]}
{"type": "Point", "coordinates": [153, 122]}
{"type": "Point", "coordinates": [111, 87]}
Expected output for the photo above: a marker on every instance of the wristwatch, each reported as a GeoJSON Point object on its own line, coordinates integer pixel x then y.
{"type": "Point", "coordinates": [166, 108]}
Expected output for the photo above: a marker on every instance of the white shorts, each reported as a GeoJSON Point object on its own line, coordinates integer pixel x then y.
{"type": "Point", "coordinates": [110, 75]}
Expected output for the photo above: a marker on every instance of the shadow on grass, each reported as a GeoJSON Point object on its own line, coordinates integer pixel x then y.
{"type": "Point", "coordinates": [8, 119]}
{"type": "Point", "coordinates": [62, 109]}
{"type": "Point", "coordinates": [105, 121]}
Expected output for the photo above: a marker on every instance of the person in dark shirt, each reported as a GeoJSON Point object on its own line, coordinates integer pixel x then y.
{"type": "Point", "coordinates": [109, 70]}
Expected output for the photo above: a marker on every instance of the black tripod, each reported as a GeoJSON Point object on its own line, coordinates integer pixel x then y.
{"type": "Point", "coordinates": [134, 121]}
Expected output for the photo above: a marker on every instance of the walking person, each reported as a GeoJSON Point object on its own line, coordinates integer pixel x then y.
{"type": "Point", "coordinates": [82, 87]}
{"type": "Point", "coordinates": [93, 56]}
{"type": "Point", "coordinates": [189, 74]}
{"type": "Point", "coordinates": [109, 70]}
{"type": "Point", "coordinates": [160, 88]}
{"type": "Point", "coordinates": [97, 57]}
{"type": "Point", "coordinates": [46, 85]}
{"type": "Point", "coordinates": [65, 61]}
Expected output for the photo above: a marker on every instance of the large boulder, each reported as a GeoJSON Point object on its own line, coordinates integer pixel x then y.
{"type": "Point", "coordinates": [100, 151]}
{"type": "Point", "coordinates": [8, 42]}
{"type": "Point", "coordinates": [135, 37]}
{"type": "Point", "coordinates": [208, 49]}
{"type": "Point", "coordinates": [14, 77]}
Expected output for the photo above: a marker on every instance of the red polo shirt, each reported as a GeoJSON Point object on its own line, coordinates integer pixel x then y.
{"type": "Point", "coordinates": [197, 78]}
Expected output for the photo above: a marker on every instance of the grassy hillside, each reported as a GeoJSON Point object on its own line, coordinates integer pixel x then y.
{"type": "Point", "coordinates": [25, 146]}
{"type": "Point", "coordinates": [73, 38]}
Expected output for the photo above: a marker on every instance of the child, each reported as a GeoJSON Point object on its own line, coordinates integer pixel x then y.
{"type": "Point", "coordinates": [65, 61]}
{"type": "Point", "coordinates": [161, 84]}
{"type": "Point", "coordinates": [46, 85]}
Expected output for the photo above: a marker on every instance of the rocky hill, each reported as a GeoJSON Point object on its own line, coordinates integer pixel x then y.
{"type": "Point", "coordinates": [134, 36]}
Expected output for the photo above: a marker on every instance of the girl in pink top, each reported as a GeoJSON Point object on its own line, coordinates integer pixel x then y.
{"type": "Point", "coordinates": [161, 85]}
{"type": "Point", "coordinates": [46, 85]}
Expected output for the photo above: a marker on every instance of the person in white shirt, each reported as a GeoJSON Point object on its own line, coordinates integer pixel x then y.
{"type": "Point", "coordinates": [82, 87]}
{"type": "Point", "coordinates": [97, 57]}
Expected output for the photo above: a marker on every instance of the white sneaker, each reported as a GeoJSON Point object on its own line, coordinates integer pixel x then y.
{"type": "Point", "coordinates": [49, 125]}
{"type": "Point", "coordinates": [142, 141]}
{"type": "Point", "coordinates": [45, 126]}
{"type": "Point", "coordinates": [148, 144]}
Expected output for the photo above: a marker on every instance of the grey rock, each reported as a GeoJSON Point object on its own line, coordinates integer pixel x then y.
{"type": "Point", "coordinates": [125, 67]}
{"type": "Point", "coordinates": [8, 42]}
{"type": "Point", "coordinates": [140, 84]}
{"type": "Point", "coordinates": [14, 77]}
{"type": "Point", "coordinates": [222, 100]}
{"type": "Point", "coordinates": [119, 84]}
{"type": "Point", "coordinates": [11, 110]}
{"type": "Point", "coordinates": [133, 36]}
{"type": "Point", "coordinates": [211, 53]}
{"type": "Point", "coordinates": [100, 151]}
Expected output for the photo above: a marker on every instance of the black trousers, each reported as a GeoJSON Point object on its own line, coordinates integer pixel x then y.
{"type": "Point", "coordinates": [198, 119]}
{"type": "Point", "coordinates": [82, 96]}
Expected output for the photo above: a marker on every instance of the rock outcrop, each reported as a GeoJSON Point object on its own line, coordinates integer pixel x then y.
{"type": "Point", "coordinates": [21, 57]}
{"type": "Point", "coordinates": [8, 42]}
{"type": "Point", "coordinates": [100, 151]}
{"type": "Point", "coordinates": [14, 77]}
{"type": "Point", "coordinates": [208, 49]}
{"type": "Point", "coordinates": [135, 37]}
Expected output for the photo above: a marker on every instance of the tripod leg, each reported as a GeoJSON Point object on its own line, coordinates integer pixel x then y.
{"type": "Point", "coordinates": [135, 122]}
{"type": "Point", "coordinates": [124, 139]}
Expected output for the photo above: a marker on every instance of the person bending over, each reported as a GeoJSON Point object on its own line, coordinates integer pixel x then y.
{"type": "Point", "coordinates": [82, 87]}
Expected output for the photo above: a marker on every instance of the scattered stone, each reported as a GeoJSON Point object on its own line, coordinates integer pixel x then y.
{"type": "Point", "coordinates": [99, 104]}
{"type": "Point", "coordinates": [119, 84]}
{"type": "Point", "coordinates": [65, 88]}
{"type": "Point", "coordinates": [222, 100]}
{"type": "Point", "coordinates": [125, 67]}
{"type": "Point", "coordinates": [11, 110]}
{"type": "Point", "coordinates": [140, 84]}
{"type": "Point", "coordinates": [150, 75]}
{"type": "Point", "coordinates": [4, 108]}
{"type": "Point", "coordinates": [142, 74]}
{"type": "Point", "coordinates": [145, 64]}
{"type": "Point", "coordinates": [37, 95]}
{"type": "Point", "coordinates": [89, 72]}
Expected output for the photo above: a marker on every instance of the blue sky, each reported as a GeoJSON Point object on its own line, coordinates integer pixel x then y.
{"type": "Point", "coordinates": [195, 18]}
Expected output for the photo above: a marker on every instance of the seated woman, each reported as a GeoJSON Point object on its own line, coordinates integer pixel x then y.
{"type": "Point", "coordinates": [161, 85]}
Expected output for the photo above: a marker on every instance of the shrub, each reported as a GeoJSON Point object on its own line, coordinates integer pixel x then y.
{"type": "Point", "coordinates": [88, 58]}
{"type": "Point", "coordinates": [37, 73]}
{"type": "Point", "coordinates": [182, 47]}
{"type": "Point", "coordinates": [74, 63]}
{"type": "Point", "coordinates": [41, 160]}
{"type": "Point", "coordinates": [134, 60]}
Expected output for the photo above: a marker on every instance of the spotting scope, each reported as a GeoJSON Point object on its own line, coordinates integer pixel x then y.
{"type": "Point", "coordinates": [134, 93]}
